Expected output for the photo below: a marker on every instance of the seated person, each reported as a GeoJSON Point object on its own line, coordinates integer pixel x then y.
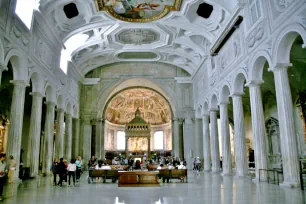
{"type": "Point", "coordinates": [161, 166]}
{"type": "Point", "coordinates": [99, 165]}
{"type": "Point", "coordinates": [106, 167]}
{"type": "Point", "coordinates": [181, 166]}
{"type": "Point", "coordinates": [170, 166]}
{"type": "Point", "coordinates": [137, 165]}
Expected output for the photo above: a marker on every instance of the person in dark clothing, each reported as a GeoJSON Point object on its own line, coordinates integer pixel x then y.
{"type": "Point", "coordinates": [61, 171]}
{"type": "Point", "coordinates": [54, 170]}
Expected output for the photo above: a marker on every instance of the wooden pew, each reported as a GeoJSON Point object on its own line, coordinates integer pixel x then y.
{"type": "Point", "coordinates": [165, 174]}
{"type": "Point", "coordinates": [179, 173]}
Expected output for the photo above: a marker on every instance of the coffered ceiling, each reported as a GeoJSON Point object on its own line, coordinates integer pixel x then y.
{"type": "Point", "coordinates": [179, 36]}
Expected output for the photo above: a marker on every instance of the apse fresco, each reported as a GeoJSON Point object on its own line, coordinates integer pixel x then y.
{"type": "Point", "coordinates": [154, 108]}
{"type": "Point", "coordinates": [138, 10]}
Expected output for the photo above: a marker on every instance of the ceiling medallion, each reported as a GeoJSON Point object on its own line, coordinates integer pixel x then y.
{"type": "Point", "coordinates": [138, 11]}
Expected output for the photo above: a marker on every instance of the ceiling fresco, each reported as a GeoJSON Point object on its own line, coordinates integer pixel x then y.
{"type": "Point", "coordinates": [153, 107]}
{"type": "Point", "coordinates": [140, 10]}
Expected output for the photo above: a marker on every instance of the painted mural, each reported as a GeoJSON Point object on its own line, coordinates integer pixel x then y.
{"type": "Point", "coordinates": [138, 10]}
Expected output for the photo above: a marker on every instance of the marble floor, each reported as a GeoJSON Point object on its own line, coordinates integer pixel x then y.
{"type": "Point", "coordinates": [204, 188]}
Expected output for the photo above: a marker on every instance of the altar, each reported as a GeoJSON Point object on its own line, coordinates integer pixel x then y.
{"type": "Point", "coordinates": [138, 135]}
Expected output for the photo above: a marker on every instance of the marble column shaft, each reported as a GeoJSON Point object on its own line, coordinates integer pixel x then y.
{"type": "Point", "coordinates": [206, 143]}
{"type": "Point", "coordinates": [16, 121]}
{"type": "Point", "coordinates": [176, 139]}
{"type": "Point", "coordinates": [35, 133]}
{"type": "Point", "coordinates": [49, 137]}
{"type": "Point", "coordinates": [68, 136]}
{"type": "Point", "coordinates": [99, 133]}
{"type": "Point", "coordinates": [240, 144]}
{"type": "Point", "coordinates": [288, 136]}
{"type": "Point", "coordinates": [259, 129]}
{"type": "Point", "coordinates": [198, 143]}
{"type": "Point", "coordinates": [181, 138]}
{"type": "Point", "coordinates": [76, 137]}
{"type": "Point", "coordinates": [59, 138]}
{"type": "Point", "coordinates": [188, 137]}
{"type": "Point", "coordinates": [102, 140]}
{"type": "Point", "coordinates": [226, 140]}
{"type": "Point", "coordinates": [215, 152]}
{"type": "Point", "coordinates": [86, 140]}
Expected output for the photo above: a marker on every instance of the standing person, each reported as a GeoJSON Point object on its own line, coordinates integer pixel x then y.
{"type": "Point", "coordinates": [12, 168]}
{"type": "Point", "coordinates": [61, 171]}
{"type": "Point", "coordinates": [54, 170]}
{"type": "Point", "coordinates": [79, 164]}
{"type": "Point", "coordinates": [71, 171]}
{"type": "Point", "coordinates": [3, 172]}
{"type": "Point", "coordinates": [221, 162]}
{"type": "Point", "coordinates": [92, 162]}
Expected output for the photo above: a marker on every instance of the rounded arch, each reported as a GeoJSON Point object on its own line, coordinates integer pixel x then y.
{"type": "Point", "coordinates": [213, 102]}
{"type": "Point", "coordinates": [61, 101]}
{"type": "Point", "coordinates": [257, 64]}
{"type": "Point", "coordinates": [284, 41]}
{"type": "Point", "coordinates": [135, 87]}
{"type": "Point", "coordinates": [50, 93]}
{"type": "Point", "coordinates": [106, 95]}
{"type": "Point", "coordinates": [205, 109]}
{"type": "Point", "coordinates": [19, 64]}
{"type": "Point", "coordinates": [239, 81]}
{"type": "Point", "coordinates": [37, 82]}
{"type": "Point", "coordinates": [225, 93]}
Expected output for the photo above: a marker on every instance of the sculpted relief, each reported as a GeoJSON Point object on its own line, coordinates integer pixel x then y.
{"type": "Point", "coordinates": [153, 107]}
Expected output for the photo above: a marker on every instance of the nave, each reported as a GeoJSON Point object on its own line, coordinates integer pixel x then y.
{"type": "Point", "coordinates": [206, 188]}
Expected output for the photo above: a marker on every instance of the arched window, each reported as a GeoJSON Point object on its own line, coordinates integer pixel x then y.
{"type": "Point", "coordinates": [159, 140]}
{"type": "Point", "coordinates": [24, 10]}
{"type": "Point", "coordinates": [120, 140]}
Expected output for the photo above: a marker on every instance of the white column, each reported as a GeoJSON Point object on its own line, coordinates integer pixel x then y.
{"type": "Point", "coordinates": [68, 137]}
{"type": "Point", "coordinates": [16, 120]}
{"type": "Point", "coordinates": [287, 130]}
{"type": "Point", "coordinates": [258, 127]}
{"type": "Point", "coordinates": [206, 143]}
{"type": "Point", "coordinates": [240, 144]}
{"type": "Point", "coordinates": [102, 139]}
{"type": "Point", "coordinates": [226, 140]}
{"type": "Point", "coordinates": [86, 140]}
{"type": "Point", "coordinates": [35, 131]}
{"type": "Point", "coordinates": [98, 139]}
{"type": "Point", "coordinates": [2, 68]}
{"type": "Point", "coordinates": [76, 137]}
{"type": "Point", "coordinates": [176, 139]}
{"type": "Point", "coordinates": [215, 153]}
{"type": "Point", "coordinates": [188, 141]}
{"type": "Point", "coordinates": [59, 137]}
{"type": "Point", "coordinates": [49, 137]}
{"type": "Point", "coordinates": [198, 143]}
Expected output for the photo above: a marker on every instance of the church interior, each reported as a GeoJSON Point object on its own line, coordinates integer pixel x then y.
{"type": "Point", "coordinates": [153, 101]}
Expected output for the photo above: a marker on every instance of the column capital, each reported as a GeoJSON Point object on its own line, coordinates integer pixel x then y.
{"type": "Point", "coordinates": [20, 83]}
{"type": "Point", "coordinates": [38, 94]}
{"type": "Point", "coordinates": [3, 67]}
{"type": "Point", "coordinates": [237, 94]}
{"type": "Point", "coordinates": [213, 110]}
{"type": "Point", "coordinates": [60, 110]}
{"type": "Point", "coordinates": [85, 121]}
{"type": "Point", "coordinates": [93, 121]}
{"type": "Point", "coordinates": [254, 83]}
{"type": "Point", "coordinates": [50, 103]}
{"type": "Point", "coordinates": [280, 66]}
{"type": "Point", "coordinates": [68, 115]}
{"type": "Point", "coordinates": [224, 103]}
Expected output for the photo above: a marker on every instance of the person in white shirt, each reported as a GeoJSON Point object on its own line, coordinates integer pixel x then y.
{"type": "Point", "coordinates": [99, 165]}
{"type": "Point", "coordinates": [181, 166]}
{"type": "Point", "coordinates": [170, 166]}
{"type": "Point", "coordinates": [106, 167]}
{"type": "Point", "coordinates": [71, 171]}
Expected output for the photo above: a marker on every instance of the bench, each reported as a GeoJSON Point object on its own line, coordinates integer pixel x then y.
{"type": "Point", "coordinates": [105, 174]}
{"type": "Point", "coordinates": [174, 173]}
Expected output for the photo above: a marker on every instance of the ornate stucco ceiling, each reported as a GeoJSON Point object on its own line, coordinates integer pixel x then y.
{"type": "Point", "coordinates": [153, 107]}
{"type": "Point", "coordinates": [180, 37]}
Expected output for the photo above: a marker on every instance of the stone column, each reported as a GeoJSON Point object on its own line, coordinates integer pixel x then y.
{"type": "Point", "coordinates": [288, 137]}
{"type": "Point", "coordinates": [226, 140]}
{"type": "Point", "coordinates": [206, 143]}
{"type": "Point", "coordinates": [59, 137]}
{"type": "Point", "coordinates": [240, 144]}
{"type": "Point", "coordinates": [215, 152]}
{"type": "Point", "coordinates": [149, 149]}
{"type": "Point", "coordinates": [198, 143]}
{"type": "Point", "coordinates": [127, 147]}
{"type": "Point", "coordinates": [68, 136]}
{"type": "Point", "coordinates": [76, 137]}
{"type": "Point", "coordinates": [49, 137]}
{"type": "Point", "coordinates": [176, 139]}
{"type": "Point", "coordinates": [259, 130]}
{"type": "Point", "coordinates": [35, 131]}
{"type": "Point", "coordinates": [181, 138]}
{"type": "Point", "coordinates": [2, 68]}
{"type": "Point", "coordinates": [86, 140]}
{"type": "Point", "coordinates": [188, 141]}
{"type": "Point", "coordinates": [102, 139]}
{"type": "Point", "coordinates": [99, 133]}
{"type": "Point", "coordinates": [16, 120]}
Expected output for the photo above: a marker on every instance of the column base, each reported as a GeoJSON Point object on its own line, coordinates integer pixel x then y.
{"type": "Point", "coordinates": [289, 185]}
{"type": "Point", "coordinates": [256, 180]}
{"type": "Point", "coordinates": [226, 174]}
{"type": "Point", "coordinates": [242, 177]}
